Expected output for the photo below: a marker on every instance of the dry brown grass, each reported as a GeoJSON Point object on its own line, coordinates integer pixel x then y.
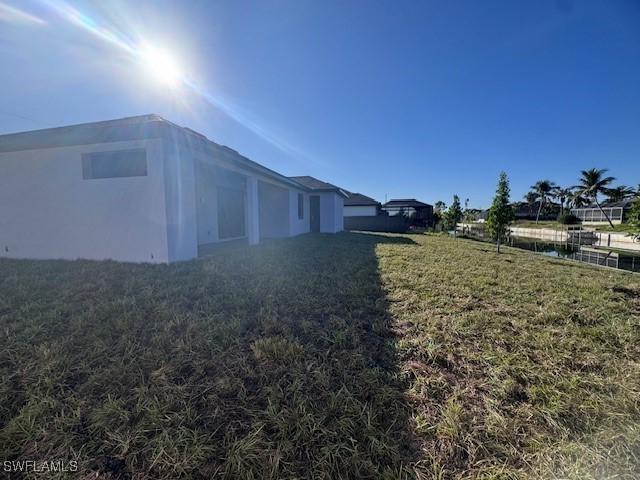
{"type": "Point", "coordinates": [324, 357]}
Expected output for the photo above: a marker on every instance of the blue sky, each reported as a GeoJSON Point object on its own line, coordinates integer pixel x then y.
{"type": "Point", "coordinates": [416, 99]}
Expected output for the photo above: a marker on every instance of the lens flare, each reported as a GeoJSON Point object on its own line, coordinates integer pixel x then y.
{"type": "Point", "coordinates": [160, 65]}
{"type": "Point", "coordinates": [11, 14]}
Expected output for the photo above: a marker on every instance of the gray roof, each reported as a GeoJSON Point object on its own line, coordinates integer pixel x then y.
{"type": "Point", "coordinates": [358, 200]}
{"type": "Point", "coordinates": [405, 202]}
{"type": "Point", "coordinates": [131, 128]}
{"type": "Point", "coordinates": [314, 184]}
{"type": "Point", "coordinates": [626, 203]}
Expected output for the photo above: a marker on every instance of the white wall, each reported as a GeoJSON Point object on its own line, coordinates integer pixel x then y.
{"type": "Point", "coordinates": [298, 226]}
{"type": "Point", "coordinates": [180, 200]}
{"type": "Point", "coordinates": [360, 211]}
{"type": "Point", "coordinates": [47, 209]}
{"type": "Point", "coordinates": [331, 212]}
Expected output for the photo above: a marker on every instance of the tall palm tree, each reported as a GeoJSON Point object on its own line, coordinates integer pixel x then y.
{"type": "Point", "coordinates": [543, 189]}
{"type": "Point", "coordinates": [617, 194]}
{"type": "Point", "coordinates": [530, 198]}
{"type": "Point", "coordinates": [593, 183]}
{"type": "Point", "coordinates": [562, 194]}
{"type": "Point", "coordinates": [577, 200]}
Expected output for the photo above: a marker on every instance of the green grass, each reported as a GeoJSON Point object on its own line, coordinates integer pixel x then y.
{"type": "Point", "coordinates": [324, 357]}
{"type": "Point", "coordinates": [620, 228]}
{"type": "Point", "coordinates": [541, 224]}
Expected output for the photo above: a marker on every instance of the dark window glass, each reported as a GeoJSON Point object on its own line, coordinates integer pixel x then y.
{"type": "Point", "coordinates": [114, 164]}
{"type": "Point", "coordinates": [300, 206]}
{"type": "Point", "coordinates": [230, 212]}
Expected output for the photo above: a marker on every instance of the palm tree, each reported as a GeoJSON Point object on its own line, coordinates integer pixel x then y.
{"type": "Point", "coordinates": [592, 183]}
{"type": "Point", "coordinates": [577, 200]}
{"type": "Point", "coordinates": [617, 194]}
{"type": "Point", "coordinates": [562, 194]}
{"type": "Point", "coordinates": [530, 198]}
{"type": "Point", "coordinates": [543, 189]}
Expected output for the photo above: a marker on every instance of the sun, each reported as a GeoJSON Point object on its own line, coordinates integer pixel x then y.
{"type": "Point", "coordinates": [161, 66]}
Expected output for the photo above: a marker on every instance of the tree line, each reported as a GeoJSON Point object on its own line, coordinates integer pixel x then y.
{"type": "Point", "coordinates": [592, 184]}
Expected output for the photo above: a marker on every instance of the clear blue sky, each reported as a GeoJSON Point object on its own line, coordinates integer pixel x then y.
{"type": "Point", "coordinates": [409, 99]}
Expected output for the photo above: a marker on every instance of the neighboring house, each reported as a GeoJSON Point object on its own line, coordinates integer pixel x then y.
{"type": "Point", "coordinates": [144, 189]}
{"type": "Point", "coordinates": [525, 211]}
{"type": "Point", "coordinates": [421, 213]}
{"type": "Point", "coordinates": [326, 204]}
{"type": "Point", "coordinates": [358, 205]}
{"type": "Point", "coordinates": [616, 211]}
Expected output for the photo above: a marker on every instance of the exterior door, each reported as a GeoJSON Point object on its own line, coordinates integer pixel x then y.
{"type": "Point", "coordinates": [314, 216]}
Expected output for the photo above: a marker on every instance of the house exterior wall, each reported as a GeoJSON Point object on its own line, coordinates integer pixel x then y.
{"type": "Point", "coordinates": [49, 211]}
{"type": "Point", "coordinates": [274, 210]}
{"type": "Point", "coordinates": [180, 200]}
{"type": "Point", "coordinates": [360, 211]}
{"type": "Point", "coordinates": [206, 204]}
{"type": "Point", "coordinates": [331, 212]}
{"type": "Point", "coordinates": [279, 219]}
{"type": "Point", "coordinates": [339, 213]}
{"type": "Point", "coordinates": [298, 226]}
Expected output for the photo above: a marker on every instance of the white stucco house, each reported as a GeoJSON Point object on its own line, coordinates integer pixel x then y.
{"type": "Point", "coordinates": [326, 204]}
{"type": "Point", "coordinates": [359, 205]}
{"type": "Point", "coordinates": [143, 189]}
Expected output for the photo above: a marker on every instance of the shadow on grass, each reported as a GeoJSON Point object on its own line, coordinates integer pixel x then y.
{"type": "Point", "coordinates": [275, 361]}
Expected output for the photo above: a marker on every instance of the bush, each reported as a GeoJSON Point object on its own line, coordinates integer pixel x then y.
{"type": "Point", "coordinates": [568, 218]}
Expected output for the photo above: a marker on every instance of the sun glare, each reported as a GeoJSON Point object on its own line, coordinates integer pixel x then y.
{"type": "Point", "coordinates": [161, 66]}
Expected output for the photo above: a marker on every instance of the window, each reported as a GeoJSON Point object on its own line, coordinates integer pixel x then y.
{"type": "Point", "coordinates": [300, 206]}
{"type": "Point", "coordinates": [114, 164]}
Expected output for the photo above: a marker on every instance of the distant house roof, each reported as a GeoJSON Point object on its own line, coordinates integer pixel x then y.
{"type": "Point", "coordinates": [626, 203]}
{"type": "Point", "coordinates": [523, 208]}
{"type": "Point", "coordinates": [314, 184]}
{"type": "Point", "coordinates": [405, 202]}
{"type": "Point", "coordinates": [359, 200]}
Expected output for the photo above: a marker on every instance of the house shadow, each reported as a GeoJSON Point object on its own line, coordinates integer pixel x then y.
{"type": "Point", "coordinates": [325, 389]}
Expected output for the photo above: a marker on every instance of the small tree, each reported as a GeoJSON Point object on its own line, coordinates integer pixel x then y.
{"type": "Point", "coordinates": [454, 214]}
{"type": "Point", "coordinates": [501, 213]}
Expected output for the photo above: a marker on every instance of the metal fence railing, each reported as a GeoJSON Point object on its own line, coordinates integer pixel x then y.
{"type": "Point", "coordinates": [595, 215]}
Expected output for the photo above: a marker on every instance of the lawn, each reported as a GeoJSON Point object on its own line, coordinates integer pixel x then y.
{"type": "Point", "coordinates": [324, 357]}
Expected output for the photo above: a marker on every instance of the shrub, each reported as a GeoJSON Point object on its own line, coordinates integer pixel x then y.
{"type": "Point", "coordinates": [568, 218]}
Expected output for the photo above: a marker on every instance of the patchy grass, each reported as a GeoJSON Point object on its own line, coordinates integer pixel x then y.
{"type": "Point", "coordinates": [617, 228]}
{"type": "Point", "coordinates": [324, 357]}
